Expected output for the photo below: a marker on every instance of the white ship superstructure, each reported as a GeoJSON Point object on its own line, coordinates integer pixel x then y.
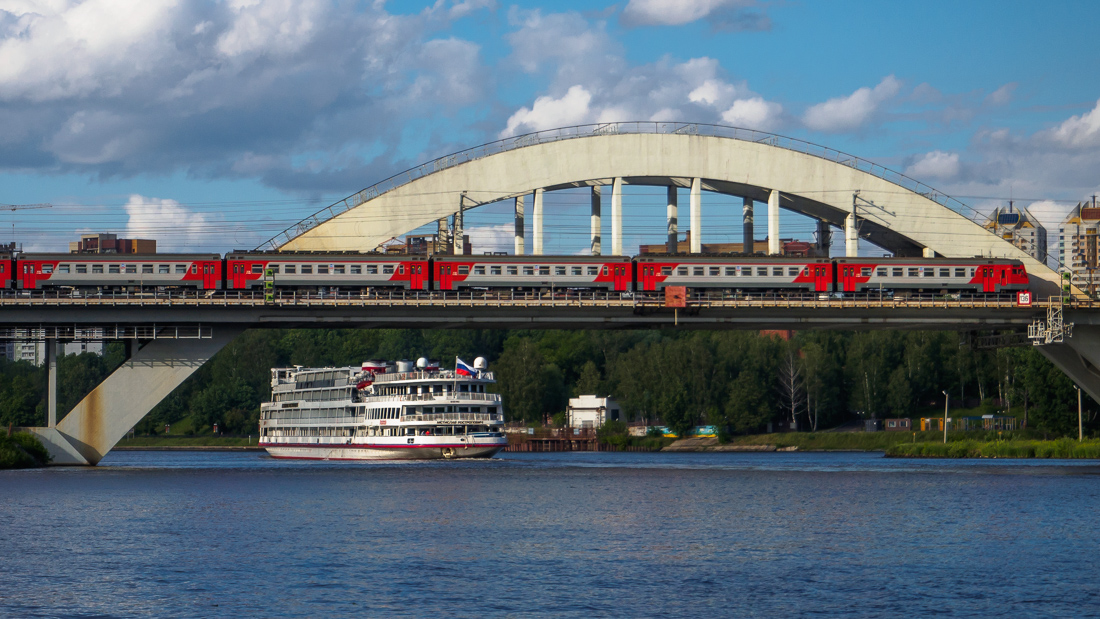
{"type": "Point", "coordinates": [383, 411]}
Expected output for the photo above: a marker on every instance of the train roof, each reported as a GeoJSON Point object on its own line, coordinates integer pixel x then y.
{"type": "Point", "coordinates": [321, 256]}
{"type": "Point", "coordinates": [542, 259]}
{"type": "Point", "coordinates": [118, 257]}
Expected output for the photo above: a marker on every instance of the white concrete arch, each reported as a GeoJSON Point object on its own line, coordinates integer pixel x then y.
{"type": "Point", "coordinates": [893, 212]}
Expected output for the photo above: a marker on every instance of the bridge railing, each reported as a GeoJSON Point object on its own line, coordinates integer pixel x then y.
{"type": "Point", "coordinates": [633, 127]}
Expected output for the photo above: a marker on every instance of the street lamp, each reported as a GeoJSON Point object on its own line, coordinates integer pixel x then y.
{"type": "Point", "coordinates": [1080, 424]}
{"type": "Point", "coordinates": [946, 400]}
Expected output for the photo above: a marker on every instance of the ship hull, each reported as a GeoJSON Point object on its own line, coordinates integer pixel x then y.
{"type": "Point", "coordinates": [381, 452]}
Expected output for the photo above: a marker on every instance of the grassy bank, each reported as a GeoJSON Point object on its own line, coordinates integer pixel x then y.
{"type": "Point", "coordinates": [1060, 448]}
{"type": "Point", "coordinates": [833, 441]}
{"type": "Point", "coordinates": [188, 441]}
{"type": "Point", "coordinates": [22, 451]}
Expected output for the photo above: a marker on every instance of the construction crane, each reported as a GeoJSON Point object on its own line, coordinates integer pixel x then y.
{"type": "Point", "coordinates": [21, 207]}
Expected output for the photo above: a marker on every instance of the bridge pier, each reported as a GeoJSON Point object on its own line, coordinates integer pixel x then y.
{"type": "Point", "coordinates": [696, 215]}
{"type": "Point", "coordinates": [596, 197]}
{"type": "Point", "coordinates": [851, 235]}
{"type": "Point", "coordinates": [519, 226]}
{"type": "Point", "coordinates": [747, 241]}
{"type": "Point", "coordinates": [536, 223]}
{"type": "Point", "coordinates": [617, 216]}
{"type": "Point", "coordinates": [672, 244]}
{"type": "Point", "coordinates": [51, 382]}
{"type": "Point", "coordinates": [106, 414]}
{"type": "Point", "coordinates": [824, 238]}
{"type": "Point", "coordinates": [458, 247]}
{"type": "Point", "coordinates": [774, 246]}
{"type": "Point", "coordinates": [1079, 358]}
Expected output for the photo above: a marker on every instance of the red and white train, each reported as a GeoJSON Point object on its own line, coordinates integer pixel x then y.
{"type": "Point", "coordinates": [353, 271]}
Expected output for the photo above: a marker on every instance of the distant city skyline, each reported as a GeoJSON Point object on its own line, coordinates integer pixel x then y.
{"type": "Point", "coordinates": [215, 125]}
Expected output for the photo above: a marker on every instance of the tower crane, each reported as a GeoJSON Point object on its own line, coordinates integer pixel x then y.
{"type": "Point", "coordinates": [21, 207]}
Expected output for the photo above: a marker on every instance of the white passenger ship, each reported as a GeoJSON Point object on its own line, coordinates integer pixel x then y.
{"type": "Point", "coordinates": [383, 411]}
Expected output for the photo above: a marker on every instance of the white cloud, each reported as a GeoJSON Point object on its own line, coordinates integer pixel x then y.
{"type": "Point", "coordinates": [1002, 95]}
{"type": "Point", "coordinates": [712, 92]}
{"type": "Point", "coordinates": [851, 112]}
{"type": "Point", "coordinates": [274, 27]}
{"type": "Point", "coordinates": [174, 227]}
{"type": "Point", "coordinates": [936, 164]}
{"type": "Point", "coordinates": [723, 14]}
{"type": "Point", "coordinates": [755, 113]}
{"type": "Point", "coordinates": [1078, 131]}
{"type": "Point", "coordinates": [492, 238]}
{"type": "Point", "coordinates": [548, 112]}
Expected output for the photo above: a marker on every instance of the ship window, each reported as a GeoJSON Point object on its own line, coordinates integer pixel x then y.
{"type": "Point", "coordinates": [112, 268]}
{"type": "Point", "coordinates": [463, 269]}
{"type": "Point", "coordinates": [307, 269]}
{"type": "Point", "coordinates": [479, 270]}
{"type": "Point", "coordinates": [81, 268]}
{"type": "Point", "coordinates": [494, 270]}
{"type": "Point", "coordinates": [960, 272]}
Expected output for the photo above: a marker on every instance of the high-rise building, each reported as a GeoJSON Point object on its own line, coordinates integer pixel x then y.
{"type": "Point", "coordinates": [1017, 226]}
{"type": "Point", "coordinates": [1077, 245]}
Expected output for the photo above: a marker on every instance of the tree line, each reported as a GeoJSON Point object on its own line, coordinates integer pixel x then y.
{"type": "Point", "coordinates": [738, 380]}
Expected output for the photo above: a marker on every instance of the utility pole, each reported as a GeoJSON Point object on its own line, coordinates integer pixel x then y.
{"type": "Point", "coordinates": [946, 401]}
{"type": "Point", "coordinates": [1080, 422]}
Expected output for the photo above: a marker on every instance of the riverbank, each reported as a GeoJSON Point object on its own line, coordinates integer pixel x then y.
{"type": "Point", "coordinates": [22, 451]}
{"type": "Point", "coordinates": [1061, 448]}
{"type": "Point", "coordinates": [189, 442]}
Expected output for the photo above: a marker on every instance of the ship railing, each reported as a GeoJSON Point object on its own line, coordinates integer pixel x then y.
{"type": "Point", "coordinates": [433, 397]}
{"type": "Point", "coordinates": [440, 375]}
{"type": "Point", "coordinates": [434, 417]}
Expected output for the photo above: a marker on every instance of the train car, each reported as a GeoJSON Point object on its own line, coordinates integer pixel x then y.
{"type": "Point", "coordinates": [613, 273]}
{"type": "Point", "coordinates": [7, 270]}
{"type": "Point", "coordinates": [245, 271]}
{"type": "Point", "coordinates": [746, 273]}
{"type": "Point", "coordinates": [118, 271]}
{"type": "Point", "coordinates": [977, 275]}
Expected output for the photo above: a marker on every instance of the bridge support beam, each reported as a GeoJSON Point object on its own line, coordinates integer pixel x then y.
{"type": "Point", "coordinates": [748, 244]}
{"type": "Point", "coordinates": [106, 414]}
{"type": "Point", "coordinates": [774, 246]}
{"type": "Point", "coordinates": [536, 223]}
{"type": "Point", "coordinates": [596, 206]}
{"type": "Point", "coordinates": [672, 244]}
{"type": "Point", "coordinates": [617, 217]}
{"type": "Point", "coordinates": [1079, 358]}
{"type": "Point", "coordinates": [696, 215]}
{"type": "Point", "coordinates": [519, 226]}
{"type": "Point", "coordinates": [824, 238]}
{"type": "Point", "coordinates": [458, 247]}
{"type": "Point", "coordinates": [51, 382]}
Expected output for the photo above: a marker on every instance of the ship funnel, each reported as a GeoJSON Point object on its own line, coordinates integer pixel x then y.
{"type": "Point", "coordinates": [480, 363]}
{"type": "Point", "coordinates": [404, 365]}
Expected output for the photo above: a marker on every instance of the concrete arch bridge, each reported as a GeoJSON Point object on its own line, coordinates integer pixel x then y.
{"type": "Point", "coordinates": [870, 203]}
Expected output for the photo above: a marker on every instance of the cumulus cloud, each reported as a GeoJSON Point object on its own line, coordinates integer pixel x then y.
{"type": "Point", "coordinates": [174, 227]}
{"type": "Point", "coordinates": [492, 238]}
{"type": "Point", "coordinates": [548, 112]}
{"type": "Point", "coordinates": [1001, 96]}
{"type": "Point", "coordinates": [722, 14]}
{"type": "Point", "coordinates": [936, 164]}
{"type": "Point", "coordinates": [1081, 131]}
{"type": "Point", "coordinates": [755, 113]}
{"type": "Point", "coordinates": [851, 112]}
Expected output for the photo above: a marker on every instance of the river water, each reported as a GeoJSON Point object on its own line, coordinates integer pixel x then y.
{"type": "Point", "coordinates": [200, 534]}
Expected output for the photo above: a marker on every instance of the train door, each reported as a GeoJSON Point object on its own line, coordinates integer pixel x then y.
{"type": "Point", "coordinates": [236, 276]}
{"type": "Point", "coordinates": [647, 276]}
{"type": "Point", "coordinates": [621, 278]}
{"type": "Point", "coordinates": [445, 275]}
{"type": "Point", "coordinates": [989, 281]}
{"type": "Point", "coordinates": [822, 277]}
{"type": "Point", "coordinates": [210, 275]}
{"type": "Point", "coordinates": [417, 277]}
{"type": "Point", "coordinates": [29, 275]}
{"type": "Point", "coordinates": [844, 278]}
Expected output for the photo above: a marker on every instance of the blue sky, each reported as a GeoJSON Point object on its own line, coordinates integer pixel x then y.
{"type": "Point", "coordinates": [213, 125]}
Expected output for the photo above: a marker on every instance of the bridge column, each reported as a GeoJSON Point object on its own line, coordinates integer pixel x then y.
{"type": "Point", "coordinates": [774, 246]}
{"type": "Point", "coordinates": [747, 242]}
{"type": "Point", "coordinates": [824, 238]}
{"type": "Point", "coordinates": [106, 414]}
{"type": "Point", "coordinates": [596, 196]}
{"type": "Point", "coordinates": [458, 247]}
{"type": "Point", "coordinates": [696, 215]}
{"type": "Point", "coordinates": [51, 382]}
{"type": "Point", "coordinates": [519, 226]}
{"type": "Point", "coordinates": [536, 223]}
{"type": "Point", "coordinates": [851, 236]}
{"type": "Point", "coordinates": [672, 245]}
{"type": "Point", "coordinates": [617, 217]}
{"type": "Point", "coordinates": [1079, 358]}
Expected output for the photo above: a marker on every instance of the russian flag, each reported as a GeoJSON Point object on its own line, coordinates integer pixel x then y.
{"type": "Point", "coordinates": [462, 369]}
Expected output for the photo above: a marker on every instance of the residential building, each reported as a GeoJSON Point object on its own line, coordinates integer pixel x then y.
{"type": "Point", "coordinates": [589, 411]}
{"type": "Point", "coordinates": [1077, 245]}
{"type": "Point", "coordinates": [1019, 227]}
{"type": "Point", "coordinates": [106, 243]}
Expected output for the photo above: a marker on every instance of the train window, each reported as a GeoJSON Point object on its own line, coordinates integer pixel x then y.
{"type": "Point", "coordinates": [356, 269]}
{"type": "Point", "coordinates": [81, 268]}
{"type": "Point", "coordinates": [528, 270]}
{"type": "Point", "coordinates": [777, 271]}
{"type": "Point", "coordinates": [761, 271]}
{"type": "Point", "coordinates": [479, 270]}
{"type": "Point", "coordinates": [463, 269]}
{"type": "Point", "coordinates": [337, 269]}
{"type": "Point", "coordinates": [97, 268]}
{"type": "Point", "coordinates": [513, 270]}
{"type": "Point", "coordinates": [945, 272]}
{"type": "Point", "coordinates": [47, 268]}
{"type": "Point", "coordinates": [494, 270]}
{"type": "Point", "coordinates": [307, 269]}
{"type": "Point", "coordinates": [164, 269]}
{"type": "Point", "coordinates": [544, 270]}
{"type": "Point", "coordinates": [666, 271]}
{"type": "Point", "coordinates": [731, 271]}
{"type": "Point", "coordinates": [913, 272]}
{"type": "Point", "coordinates": [387, 269]}
{"type": "Point", "coordinates": [559, 270]}
{"type": "Point", "coordinates": [61, 268]}
{"type": "Point", "coordinates": [372, 269]}
{"type": "Point", "coordinates": [696, 271]}
{"type": "Point", "coordinates": [793, 271]}
{"type": "Point", "coordinates": [322, 269]}
{"type": "Point", "coordinates": [131, 268]}
{"type": "Point", "coordinates": [972, 272]}
{"type": "Point", "coordinates": [896, 271]}
{"type": "Point", "coordinates": [929, 272]}
{"type": "Point", "coordinates": [865, 272]}
{"type": "Point", "coordinates": [575, 270]}
{"type": "Point", "coordinates": [290, 269]}
{"type": "Point", "coordinates": [960, 272]}
{"type": "Point", "coordinates": [112, 268]}
{"type": "Point", "coordinates": [715, 271]}
{"type": "Point", "coordinates": [881, 272]}
{"type": "Point", "coordinates": [181, 269]}
{"type": "Point", "coordinates": [681, 270]}
{"type": "Point", "coordinates": [146, 268]}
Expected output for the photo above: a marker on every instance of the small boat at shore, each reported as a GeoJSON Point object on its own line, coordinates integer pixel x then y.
{"type": "Point", "coordinates": [383, 410]}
